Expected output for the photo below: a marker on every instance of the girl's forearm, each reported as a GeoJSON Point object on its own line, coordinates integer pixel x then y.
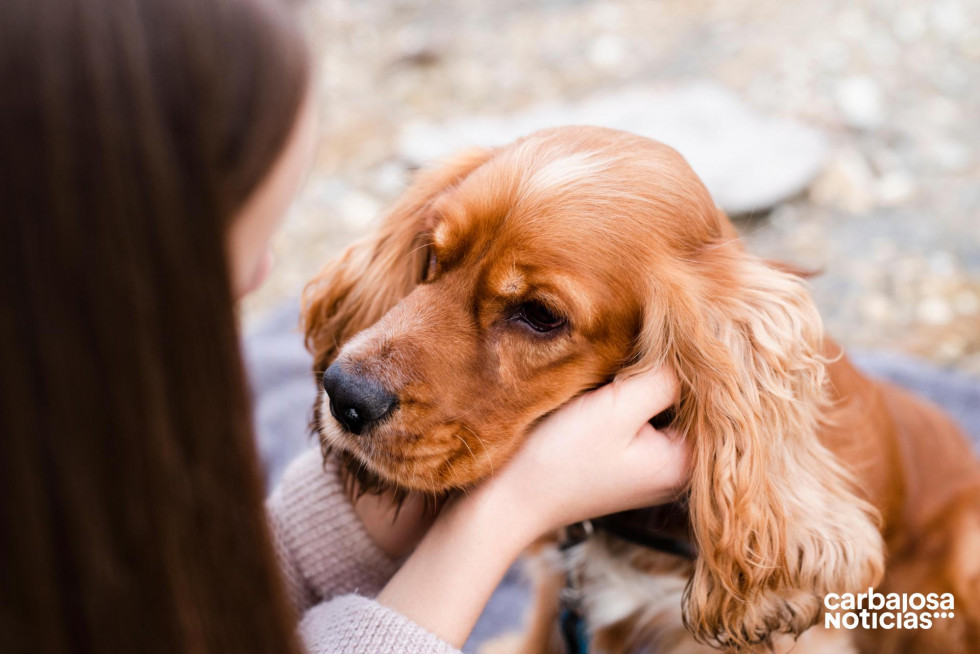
{"type": "Point", "coordinates": [446, 582]}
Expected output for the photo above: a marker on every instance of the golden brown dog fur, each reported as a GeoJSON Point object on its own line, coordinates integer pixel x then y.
{"type": "Point", "coordinates": [804, 472]}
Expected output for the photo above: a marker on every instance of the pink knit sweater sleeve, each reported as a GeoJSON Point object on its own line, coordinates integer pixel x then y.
{"type": "Point", "coordinates": [332, 567]}
{"type": "Point", "coordinates": [323, 549]}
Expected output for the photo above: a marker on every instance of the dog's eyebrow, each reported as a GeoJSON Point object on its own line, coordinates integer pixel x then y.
{"type": "Point", "coordinates": [560, 292]}
{"type": "Point", "coordinates": [440, 235]}
{"type": "Point", "coordinates": [512, 284]}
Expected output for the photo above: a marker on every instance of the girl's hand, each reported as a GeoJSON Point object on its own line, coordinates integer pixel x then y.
{"type": "Point", "coordinates": [596, 455]}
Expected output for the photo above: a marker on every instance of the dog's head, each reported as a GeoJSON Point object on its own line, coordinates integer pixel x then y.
{"type": "Point", "coordinates": [501, 286]}
{"type": "Point", "coordinates": [508, 281]}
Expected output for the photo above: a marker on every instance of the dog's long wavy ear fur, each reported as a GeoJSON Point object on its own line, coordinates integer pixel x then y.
{"type": "Point", "coordinates": [355, 290]}
{"type": "Point", "coordinates": [778, 521]}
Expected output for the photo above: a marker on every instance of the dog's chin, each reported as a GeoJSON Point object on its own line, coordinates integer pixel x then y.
{"type": "Point", "coordinates": [358, 472]}
{"type": "Point", "coordinates": [360, 477]}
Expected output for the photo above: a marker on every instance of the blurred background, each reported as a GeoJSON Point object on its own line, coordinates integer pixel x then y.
{"type": "Point", "coordinates": [842, 135]}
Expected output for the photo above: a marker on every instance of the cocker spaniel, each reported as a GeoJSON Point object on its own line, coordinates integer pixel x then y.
{"type": "Point", "coordinates": [509, 280]}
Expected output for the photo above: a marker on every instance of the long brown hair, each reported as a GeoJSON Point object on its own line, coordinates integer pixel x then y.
{"type": "Point", "coordinates": [131, 131]}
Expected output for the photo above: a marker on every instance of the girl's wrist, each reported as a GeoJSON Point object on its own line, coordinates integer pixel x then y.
{"type": "Point", "coordinates": [494, 509]}
{"type": "Point", "coordinates": [445, 583]}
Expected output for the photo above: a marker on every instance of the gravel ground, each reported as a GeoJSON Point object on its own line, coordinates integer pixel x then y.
{"type": "Point", "coordinates": [893, 221]}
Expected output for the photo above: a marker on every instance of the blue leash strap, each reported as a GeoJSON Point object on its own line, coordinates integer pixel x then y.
{"type": "Point", "coordinates": [574, 632]}
{"type": "Point", "coordinates": [571, 617]}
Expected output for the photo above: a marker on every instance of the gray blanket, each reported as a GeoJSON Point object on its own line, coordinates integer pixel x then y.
{"type": "Point", "coordinates": [284, 389]}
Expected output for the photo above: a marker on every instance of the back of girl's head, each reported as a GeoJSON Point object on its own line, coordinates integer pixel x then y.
{"type": "Point", "coordinates": [131, 131]}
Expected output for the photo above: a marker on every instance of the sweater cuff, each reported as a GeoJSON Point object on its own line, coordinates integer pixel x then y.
{"type": "Point", "coordinates": [353, 624]}
{"type": "Point", "coordinates": [322, 546]}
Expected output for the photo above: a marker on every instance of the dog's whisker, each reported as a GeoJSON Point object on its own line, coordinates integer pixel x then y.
{"type": "Point", "coordinates": [360, 467]}
{"type": "Point", "coordinates": [465, 444]}
{"type": "Point", "coordinates": [435, 500]}
{"type": "Point", "coordinates": [414, 250]}
{"type": "Point", "coordinates": [482, 444]}
{"type": "Point", "coordinates": [391, 503]}
{"type": "Point", "coordinates": [449, 463]}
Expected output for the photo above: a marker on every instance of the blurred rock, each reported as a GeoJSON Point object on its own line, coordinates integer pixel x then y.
{"type": "Point", "coordinates": [607, 51]}
{"type": "Point", "coordinates": [749, 162]}
{"type": "Point", "coordinates": [860, 102]}
{"type": "Point", "coordinates": [877, 307]}
{"type": "Point", "coordinates": [949, 18]}
{"type": "Point", "coordinates": [909, 24]}
{"type": "Point", "coordinates": [894, 189]}
{"type": "Point", "coordinates": [967, 303]}
{"type": "Point", "coordinates": [357, 209]}
{"type": "Point", "coordinates": [847, 183]}
{"type": "Point", "coordinates": [950, 155]}
{"type": "Point", "coordinates": [935, 311]}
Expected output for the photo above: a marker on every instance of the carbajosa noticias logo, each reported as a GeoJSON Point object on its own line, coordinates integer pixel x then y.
{"type": "Point", "coordinates": [873, 610]}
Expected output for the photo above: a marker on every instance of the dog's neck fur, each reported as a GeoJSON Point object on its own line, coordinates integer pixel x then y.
{"type": "Point", "coordinates": [664, 528]}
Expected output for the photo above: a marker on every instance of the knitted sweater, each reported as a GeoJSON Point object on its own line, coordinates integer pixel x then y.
{"type": "Point", "coordinates": [332, 568]}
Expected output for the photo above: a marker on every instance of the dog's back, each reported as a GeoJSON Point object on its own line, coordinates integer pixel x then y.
{"type": "Point", "coordinates": [935, 547]}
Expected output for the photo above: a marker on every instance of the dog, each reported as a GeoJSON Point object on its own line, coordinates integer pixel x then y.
{"type": "Point", "coordinates": [509, 280]}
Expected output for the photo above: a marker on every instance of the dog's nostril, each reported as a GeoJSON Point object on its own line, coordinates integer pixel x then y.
{"type": "Point", "coordinates": [351, 416]}
{"type": "Point", "coordinates": [356, 401]}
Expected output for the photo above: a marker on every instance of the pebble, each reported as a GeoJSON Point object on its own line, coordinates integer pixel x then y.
{"type": "Point", "coordinates": [950, 155]}
{"type": "Point", "coordinates": [909, 24]}
{"type": "Point", "coordinates": [847, 183]}
{"type": "Point", "coordinates": [934, 311]}
{"type": "Point", "coordinates": [894, 189]}
{"type": "Point", "coordinates": [860, 102]}
{"type": "Point", "coordinates": [949, 18]}
{"type": "Point", "coordinates": [358, 209]}
{"type": "Point", "coordinates": [607, 51]}
{"type": "Point", "coordinates": [967, 303]}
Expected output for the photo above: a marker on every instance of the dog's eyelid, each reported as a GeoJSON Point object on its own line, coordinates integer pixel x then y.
{"type": "Point", "coordinates": [547, 301]}
{"type": "Point", "coordinates": [540, 316]}
{"type": "Point", "coordinates": [441, 249]}
{"type": "Point", "coordinates": [429, 256]}
{"type": "Point", "coordinates": [431, 265]}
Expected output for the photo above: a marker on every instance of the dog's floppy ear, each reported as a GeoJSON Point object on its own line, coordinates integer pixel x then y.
{"type": "Point", "coordinates": [777, 520]}
{"type": "Point", "coordinates": [355, 290]}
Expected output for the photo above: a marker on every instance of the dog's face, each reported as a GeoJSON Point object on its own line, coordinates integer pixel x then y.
{"type": "Point", "coordinates": [506, 282]}
{"type": "Point", "coordinates": [530, 290]}
{"type": "Point", "coordinates": [503, 328]}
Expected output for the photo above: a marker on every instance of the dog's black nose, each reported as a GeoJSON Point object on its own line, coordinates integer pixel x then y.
{"type": "Point", "coordinates": [356, 401]}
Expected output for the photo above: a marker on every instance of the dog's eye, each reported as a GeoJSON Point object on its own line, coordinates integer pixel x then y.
{"type": "Point", "coordinates": [664, 419]}
{"type": "Point", "coordinates": [430, 265]}
{"type": "Point", "coordinates": [538, 317]}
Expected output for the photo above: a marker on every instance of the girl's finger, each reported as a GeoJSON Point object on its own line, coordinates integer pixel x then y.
{"type": "Point", "coordinates": [661, 458]}
{"type": "Point", "coordinates": [638, 398]}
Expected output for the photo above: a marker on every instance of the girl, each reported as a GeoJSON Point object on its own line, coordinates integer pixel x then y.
{"type": "Point", "coordinates": [148, 150]}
